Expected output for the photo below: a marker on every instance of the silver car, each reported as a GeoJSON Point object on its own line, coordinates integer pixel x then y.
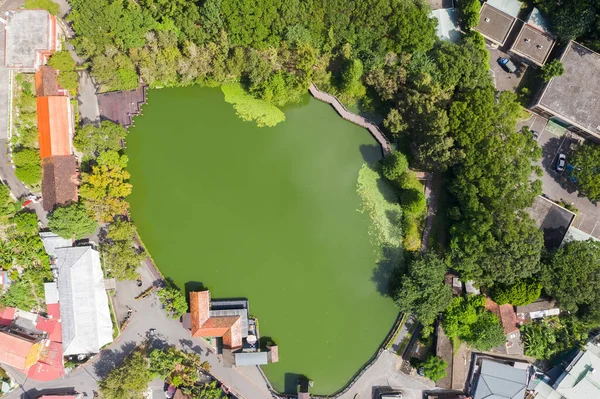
{"type": "Point", "coordinates": [561, 163]}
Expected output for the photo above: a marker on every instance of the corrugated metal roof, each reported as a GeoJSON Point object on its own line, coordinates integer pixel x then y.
{"type": "Point", "coordinates": [84, 310]}
{"type": "Point", "coordinates": [251, 358]}
{"type": "Point", "coordinates": [52, 241]}
{"type": "Point", "coordinates": [511, 7]}
{"type": "Point", "coordinates": [500, 381]}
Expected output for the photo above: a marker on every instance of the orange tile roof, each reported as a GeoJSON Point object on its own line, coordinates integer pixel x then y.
{"type": "Point", "coordinates": [199, 309]}
{"type": "Point", "coordinates": [54, 125]}
{"type": "Point", "coordinates": [18, 352]}
{"type": "Point", "coordinates": [505, 313]}
{"type": "Point", "coordinates": [202, 325]}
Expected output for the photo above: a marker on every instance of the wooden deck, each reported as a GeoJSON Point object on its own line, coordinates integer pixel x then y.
{"type": "Point", "coordinates": [120, 106]}
{"type": "Point", "coordinates": [351, 117]}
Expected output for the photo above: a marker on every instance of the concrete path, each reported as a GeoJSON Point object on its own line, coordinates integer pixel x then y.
{"type": "Point", "coordinates": [147, 314]}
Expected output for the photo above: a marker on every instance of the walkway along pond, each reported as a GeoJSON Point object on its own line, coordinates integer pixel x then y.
{"type": "Point", "coordinates": [349, 116]}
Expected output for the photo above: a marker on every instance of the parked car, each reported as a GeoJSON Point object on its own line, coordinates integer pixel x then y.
{"type": "Point", "coordinates": [507, 65]}
{"type": "Point", "coordinates": [561, 163]}
{"type": "Point", "coordinates": [535, 134]}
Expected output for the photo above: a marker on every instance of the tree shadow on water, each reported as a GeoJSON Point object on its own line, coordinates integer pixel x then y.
{"type": "Point", "coordinates": [293, 381]}
{"type": "Point", "coordinates": [371, 153]}
{"type": "Point", "coordinates": [112, 358]}
{"type": "Point", "coordinates": [389, 270]}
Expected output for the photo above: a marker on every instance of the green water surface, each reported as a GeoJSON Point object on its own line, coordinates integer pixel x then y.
{"type": "Point", "coordinates": [269, 214]}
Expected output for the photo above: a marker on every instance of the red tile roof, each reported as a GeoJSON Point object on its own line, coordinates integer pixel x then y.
{"type": "Point", "coordinates": [6, 316]}
{"type": "Point", "coordinates": [59, 181]}
{"type": "Point", "coordinates": [52, 327]}
{"type": "Point", "coordinates": [202, 325]}
{"type": "Point", "coordinates": [54, 125]}
{"type": "Point", "coordinates": [505, 313]}
{"type": "Point", "coordinates": [18, 352]}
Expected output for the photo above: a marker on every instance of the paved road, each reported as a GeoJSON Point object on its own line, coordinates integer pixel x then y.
{"type": "Point", "coordinates": [555, 185]}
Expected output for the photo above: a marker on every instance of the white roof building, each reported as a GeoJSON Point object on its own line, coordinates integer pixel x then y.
{"type": "Point", "coordinates": [31, 37]}
{"type": "Point", "coordinates": [53, 241]}
{"type": "Point", "coordinates": [86, 321]}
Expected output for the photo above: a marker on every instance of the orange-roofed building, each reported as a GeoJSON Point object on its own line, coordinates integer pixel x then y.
{"type": "Point", "coordinates": [203, 324]}
{"type": "Point", "coordinates": [19, 351]}
{"type": "Point", "coordinates": [55, 125]}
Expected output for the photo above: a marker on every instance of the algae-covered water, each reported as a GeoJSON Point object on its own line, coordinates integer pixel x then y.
{"type": "Point", "coordinates": [269, 214]}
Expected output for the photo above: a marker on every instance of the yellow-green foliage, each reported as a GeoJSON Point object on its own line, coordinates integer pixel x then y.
{"type": "Point", "coordinates": [47, 5]}
{"type": "Point", "coordinates": [386, 216]}
{"type": "Point", "coordinates": [252, 109]}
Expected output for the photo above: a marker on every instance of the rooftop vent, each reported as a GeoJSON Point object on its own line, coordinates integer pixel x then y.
{"type": "Point", "coordinates": [527, 40]}
{"type": "Point", "coordinates": [539, 47]}
{"type": "Point", "coordinates": [487, 20]}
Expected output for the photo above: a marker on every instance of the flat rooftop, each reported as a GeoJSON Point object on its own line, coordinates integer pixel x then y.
{"type": "Point", "coordinates": [552, 219]}
{"type": "Point", "coordinates": [494, 24]}
{"type": "Point", "coordinates": [572, 96]}
{"type": "Point", "coordinates": [27, 33]}
{"type": "Point", "coordinates": [533, 44]}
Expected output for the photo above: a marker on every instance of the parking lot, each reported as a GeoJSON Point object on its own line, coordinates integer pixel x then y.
{"type": "Point", "coordinates": [556, 186]}
{"type": "Point", "coordinates": [504, 80]}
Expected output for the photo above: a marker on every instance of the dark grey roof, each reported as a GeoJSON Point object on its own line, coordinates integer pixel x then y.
{"type": "Point", "coordinates": [500, 381]}
{"type": "Point", "coordinates": [494, 24]}
{"type": "Point", "coordinates": [533, 44]}
{"type": "Point", "coordinates": [573, 97]}
{"type": "Point", "coordinates": [251, 358]}
{"type": "Point", "coordinates": [552, 219]}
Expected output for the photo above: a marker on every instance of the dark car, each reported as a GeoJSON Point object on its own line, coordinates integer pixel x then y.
{"type": "Point", "coordinates": [507, 65]}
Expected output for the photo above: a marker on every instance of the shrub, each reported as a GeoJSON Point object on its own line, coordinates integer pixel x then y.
{"type": "Point", "coordinates": [519, 294]}
{"type": "Point", "coordinates": [435, 368]}
{"type": "Point", "coordinates": [28, 166]}
{"type": "Point", "coordinates": [72, 221]}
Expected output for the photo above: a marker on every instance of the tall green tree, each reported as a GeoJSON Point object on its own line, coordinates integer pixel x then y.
{"type": "Point", "coordinates": [128, 381]}
{"type": "Point", "coordinates": [72, 221]}
{"type": "Point", "coordinates": [572, 276]}
{"type": "Point", "coordinates": [434, 368]}
{"type": "Point", "coordinates": [552, 69]}
{"type": "Point", "coordinates": [93, 140]}
{"type": "Point", "coordinates": [422, 291]}
{"type": "Point", "coordinates": [468, 13]}
{"type": "Point", "coordinates": [587, 170]}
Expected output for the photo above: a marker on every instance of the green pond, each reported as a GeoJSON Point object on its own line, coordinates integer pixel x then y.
{"type": "Point", "coordinates": [270, 214]}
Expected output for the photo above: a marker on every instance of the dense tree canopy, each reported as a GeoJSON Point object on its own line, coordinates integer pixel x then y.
{"type": "Point", "coordinates": [545, 338]}
{"type": "Point", "coordinates": [274, 46]}
{"type": "Point", "coordinates": [521, 293]}
{"type": "Point", "coordinates": [128, 381]}
{"type": "Point", "coordinates": [422, 291]}
{"type": "Point", "coordinates": [434, 368]}
{"type": "Point", "coordinates": [467, 319]}
{"type": "Point", "coordinates": [72, 221]}
{"type": "Point", "coordinates": [93, 140]}
{"type": "Point", "coordinates": [587, 163]}
{"type": "Point", "coordinates": [105, 188]}
{"type": "Point", "coordinates": [572, 277]}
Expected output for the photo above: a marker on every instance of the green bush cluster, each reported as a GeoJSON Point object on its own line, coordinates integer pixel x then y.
{"type": "Point", "coordinates": [519, 294]}
{"type": "Point", "coordinates": [468, 320]}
